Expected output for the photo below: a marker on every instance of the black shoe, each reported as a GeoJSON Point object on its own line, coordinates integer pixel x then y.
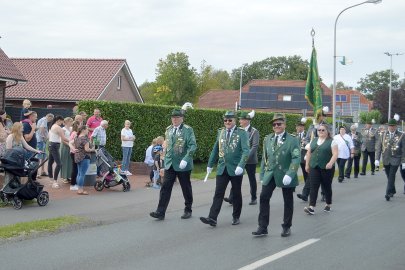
{"type": "Point", "coordinates": [157, 215]}
{"type": "Point", "coordinates": [260, 232]}
{"type": "Point", "coordinates": [327, 209]}
{"type": "Point", "coordinates": [356, 176]}
{"type": "Point", "coordinates": [286, 232]}
{"type": "Point", "coordinates": [235, 221]}
{"type": "Point", "coordinates": [387, 197]}
{"type": "Point", "coordinates": [209, 221]}
{"type": "Point", "coordinates": [227, 200]}
{"type": "Point", "coordinates": [302, 197]}
{"type": "Point", "coordinates": [323, 199]}
{"type": "Point", "coordinates": [362, 173]}
{"type": "Point", "coordinates": [372, 173]}
{"type": "Point", "coordinates": [186, 215]}
{"type": "Point", "coordinates": [309, 211]}
{"type": "Point", "coordinates": [377, 169]}
{"type": "Point", "coordinates": [347, 176]}
{"type": "Point", "coordinates": [391, 195]}
{"type": "Point", "coordinates": [253, 202]}
{"type": "Point", "coordinates": [340, 179]}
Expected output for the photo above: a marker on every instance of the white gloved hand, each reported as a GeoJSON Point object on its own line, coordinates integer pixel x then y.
{"type": "Point", "coordinates": [209, 170]}
{"type": "Point", "coordinates": [287, 180]}
{"type": "Point", "coordinates": [238, 170]}
{"type": "Point", "coordinates": [377, 163]}
{"type": "Point", "coordinates": [403, 166]}
{"type": "Point", "coordinates": [183, 164]}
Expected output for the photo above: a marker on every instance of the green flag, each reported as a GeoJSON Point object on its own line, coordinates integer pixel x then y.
{"type": "Point", "coordinates": [313, 90]}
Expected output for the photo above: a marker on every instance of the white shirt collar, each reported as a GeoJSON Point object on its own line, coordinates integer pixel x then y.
{"type": "Point", "coordinates": [247, 128]}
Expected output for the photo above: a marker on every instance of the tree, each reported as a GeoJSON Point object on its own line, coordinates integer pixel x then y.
{"type": "Point", "coordinates": [271, 68]}
{"type": "Point", "coordinates": [380, 103]}
{"type": "Point", "coordinates": [369, 116]}
{"type": "Point", "coordinates": [210, 78]}
{"type": "Point", "coordinates": [176, 81]}
{"type": "Point", "coordinates": [340, 85]}
{"type": "Point", "coordinates": [376, 82]}
{"type": "Point", "coordinates": [148, 89]}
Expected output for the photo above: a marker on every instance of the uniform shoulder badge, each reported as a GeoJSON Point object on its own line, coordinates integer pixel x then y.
{"type": "Point", "coordinates": [168, 127]}
{"type": "Point", "coordinates": [186, 126]}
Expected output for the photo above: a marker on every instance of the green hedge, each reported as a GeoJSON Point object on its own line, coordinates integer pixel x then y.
{"type": "Point", "coordinates": [150, 121]}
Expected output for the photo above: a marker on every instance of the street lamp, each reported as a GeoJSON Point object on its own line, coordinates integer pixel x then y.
{"type": "Point", "coordinates": [240, 85]}
{"type": "Point", "coordinates": [390, 91]}
{"type": "Point", "coordinates": [334, 59]}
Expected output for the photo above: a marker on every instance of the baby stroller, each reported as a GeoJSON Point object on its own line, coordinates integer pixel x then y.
{"type": "Point", "coordinates": [15, 166]}
{"type": "Point", "coordinates": [111, 174]}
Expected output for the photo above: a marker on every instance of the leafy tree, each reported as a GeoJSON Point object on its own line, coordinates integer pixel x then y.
{"type": "Point", "coordinates": [340, 85]}
{"type": "Point", "coordinates": [148, 89]}
{"type": "Point", "coordinates": [380, 103]}
{"type": "Point", "coordinates": [368, 116]}
{"type": "Point", "coordinates": [281, 68]}
{"type": "Point", "coordinates": [210, 78]}
{"type": "Point", "coordinates": [176, 81]}
{"type": "Point", "coordinates": [376, 82]}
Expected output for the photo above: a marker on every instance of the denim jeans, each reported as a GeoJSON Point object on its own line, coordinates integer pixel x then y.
{"type": "Point", "coordinates": [82, 167]}
{"type": "Point", "coordinates": [126, 158]}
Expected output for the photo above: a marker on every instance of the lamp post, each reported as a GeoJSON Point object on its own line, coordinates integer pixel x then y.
{"type": "Point", "coordinates": [240, 85]}
{"type": "Point", "coordinates": [390, 91]}
{"type": "Point", "coordinates": [334, 59]}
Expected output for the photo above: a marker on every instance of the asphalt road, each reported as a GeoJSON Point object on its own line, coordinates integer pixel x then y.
{"type": "Point", "coordinates": [363, 231]}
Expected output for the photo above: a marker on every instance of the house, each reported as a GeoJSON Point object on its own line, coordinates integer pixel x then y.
{"type": "Point", "coordinates": [59, 83]}
{"type": "Point", "coordinates": [351, 103]}
{"type": "Point", "coordinates": [10, 74]}
{"type": "Point", "coordinates": [266, 95]}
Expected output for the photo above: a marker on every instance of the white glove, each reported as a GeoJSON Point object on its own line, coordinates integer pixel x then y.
{"type": "Point", "coordinates": [209, 170]}
{"type": "Point", "coordinates": [183, 164]}
{"type": "Point", "coordinates": [238, 170]}
{"type": "Point", "coordinates": [403, 166]}
{"type": "Point", "coordinates": [287, 180]}
{"type": "Point", "coordinates": [377, 163]}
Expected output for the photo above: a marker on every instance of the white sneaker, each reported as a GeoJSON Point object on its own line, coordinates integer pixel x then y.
{"type": "Point", "coordinates": [128, 173]}
{"type": "Point", "coordinates": [55, 185]}
{"type": "Point", "coordinates": [74, 188]}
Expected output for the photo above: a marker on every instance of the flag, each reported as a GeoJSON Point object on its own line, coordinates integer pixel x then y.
{"type": "Point", "coordinates": [346, 61]}
{"type": "Point", "coordinates": [313, 90]}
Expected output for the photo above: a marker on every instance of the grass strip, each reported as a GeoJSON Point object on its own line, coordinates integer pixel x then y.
{"type": "Point", "coordinates": [37, 226]}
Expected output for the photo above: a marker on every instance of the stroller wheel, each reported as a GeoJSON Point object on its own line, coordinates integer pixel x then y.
{"type": "Point", "coordinates": [17, 203]}
{"type": "Point", "coordinates": [43, 198]}
{"type": "Point", "coordinates": [99, 185]}
{"type": "Point", "coordinates": [126, 186]}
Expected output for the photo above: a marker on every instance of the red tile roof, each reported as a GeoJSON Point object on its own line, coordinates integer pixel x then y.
{"type": "Point", "coordinates": [8, 71]}
{"type": "Point", "coordinates": [283, 83]}
{"type": "Point", "coordinates": [219, 99]}
{"type": "Point", "coordinates": [64, 79]}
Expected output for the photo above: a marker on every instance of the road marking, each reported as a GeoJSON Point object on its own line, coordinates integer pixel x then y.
{"type": "Point", "coordinates": [279, 255]}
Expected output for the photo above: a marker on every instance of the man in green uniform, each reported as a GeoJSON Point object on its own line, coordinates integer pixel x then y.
{"type": "Point", "coordinates": [280, 162]}
{"type": "Point", "coordinates": [180, 147]}
{"type": "Point", "coordinates": [369, 135]}
{"type": "Point", "coordinates": [231, 151]}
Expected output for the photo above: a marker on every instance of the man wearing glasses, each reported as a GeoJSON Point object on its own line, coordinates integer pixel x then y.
{"type": "Point", "coordinates": [280, 162]}
{"type": "Point", "coordinates": [180, 147]}
{"type": "Point", "coordinates": [231, 151]}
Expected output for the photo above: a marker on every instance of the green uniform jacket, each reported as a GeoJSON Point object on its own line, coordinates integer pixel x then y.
{"type": "Point", "coordinates": [232, 154]}
{"type": "Point", "coordinates": [282, 159]}
{"type": "Point", "coordinates": [179, 146]}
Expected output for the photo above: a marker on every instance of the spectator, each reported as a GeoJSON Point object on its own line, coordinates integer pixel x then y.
{"type": "Point", "coordinates": [99, 138]}
{"type": "Point", "coordinates": [25, 112]}
{"type": "Point", "coordinates": [157, 164]}
{"type": "Point", "coordinates": [42, 135]}
{"type": "Point", "coordinates": [127, 138]}
{"type": "Point", "coordinates": [66, 160]}
{"type": "Point", "coordinates": [346, 150]}
{"type": "Point", "coordinates": [81, 157]}
{"type": "Point", "coordinates": [84, 117]}
{"type": "Point", "coordinates": [4, 132]}
{"type": "Point", "coordinates": [56, 136]}
{"type": "Point", "coordinates": [73, 177]}
{"type": "Point", "coordinates": [29, 128]}
{"type": "Point", "coordinates": [78, 118]}
{"type": "Point", "coordinates": [149, 161]}
{"type": "Point", "coordinates": [94, 121]}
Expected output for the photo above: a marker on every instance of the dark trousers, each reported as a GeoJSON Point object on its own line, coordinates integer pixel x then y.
{"type": "Point", "coordinates": [251, 172]}
{"type": "Point", "coordinates": [73, 174]}
{"type": "Point", "coordinates": [167, 186]}
{"type": "Point", "coordinates": [341, 165]}
{"type": "Point", "coordinates": [402, 171]}
{"type": "Point", "coordinates": [221, 184]}
{"type": "Point", "coordinates": [391, 171]}
{"type": "Point", "coordinates": [265, 196]}
{"type": "Point", "coordinates": [54, 157]}
{"type": "Point", "coordinates": [366, 155]}
{"type": "Point", "coordinates": [323, 177]}
{"type": "Point", "coordinates": [306, 189]}
{"type": "Point", "coordinates": [356, 160]}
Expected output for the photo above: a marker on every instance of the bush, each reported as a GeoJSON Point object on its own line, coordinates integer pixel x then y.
{"type": "Point", "coordinates": [150, 121]}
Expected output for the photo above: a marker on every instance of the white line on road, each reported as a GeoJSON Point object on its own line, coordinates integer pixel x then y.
{"type": "Point", "coordinates": [278, 255]}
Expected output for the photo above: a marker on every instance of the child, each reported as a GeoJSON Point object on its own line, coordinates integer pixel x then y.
{"type": "Point", "coordinates": [25, 112]}
{"type": "Point", "coordinates": [156, 152]}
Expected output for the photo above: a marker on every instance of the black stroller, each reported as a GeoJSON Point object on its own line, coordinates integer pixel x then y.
{"type": "Point", "coordinates": [15, 166]}
{"type": "Point", "coordinates": [111, 175]}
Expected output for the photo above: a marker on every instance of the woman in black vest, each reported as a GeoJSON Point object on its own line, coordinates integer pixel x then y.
{"type": "Point", "coordinates": [320, 164]}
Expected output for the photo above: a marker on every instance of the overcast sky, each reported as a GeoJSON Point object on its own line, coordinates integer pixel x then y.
{"type": "Point", "coordinates": [224, 33]}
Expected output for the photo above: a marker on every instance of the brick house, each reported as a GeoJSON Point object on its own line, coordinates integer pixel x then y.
{"type": "Point", "coordinates": [61, 82]}
{"type": "Point", "coordinates": [351, 103]}
{"type": "Point", "coordinates": [10, 76]}
{"type": "Point", "coordinates": [266, 95]}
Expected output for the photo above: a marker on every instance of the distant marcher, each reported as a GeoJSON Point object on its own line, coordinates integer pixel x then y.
{"type": "Point", "coordinates": [42, 138]}
{"type": "Point", "coordinates": [357, 140]}
{"type": "Point", "coordinates": [346, 151]}
{"type": "Point", "coordinates": [127, 143]}
{"type": "Point", "coordinates": [25, 110]}
{"type": "Point", "coordinates": [381, 130]}
{"type": "Point", "coordinates": [302, 140]}
{"type": "Point", "coordinates": [369, 135]}
{"type": "Point", "coordinates": [149, 161]}
{"type": "Point", "coordinates": [4, 132]}
{"type": "Point", "coordinates": [94, 121]}
{"type": "Point", "coordinates": [66, 170]}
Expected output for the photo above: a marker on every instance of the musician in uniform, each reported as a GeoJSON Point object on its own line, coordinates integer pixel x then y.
{"type": "Point", "coordinates": [369, 135]}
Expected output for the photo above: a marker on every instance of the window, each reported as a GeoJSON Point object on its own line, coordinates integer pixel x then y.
{"type": "Point", "coordinates": [284, 97]}
{"type": "Point", "coordinates": [119, 82]}
{"type": "Point", "coordinates": [343, 98]}
{"type": "Point", "coordinates": [337, 98]}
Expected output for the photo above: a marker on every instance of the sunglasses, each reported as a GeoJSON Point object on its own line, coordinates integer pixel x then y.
{"type": "Point", "coordinates": [228, 120]}
{"type": "Point", "coordinates": [277, 124]}
{"type": "Point", "coordinates": [321, 129]}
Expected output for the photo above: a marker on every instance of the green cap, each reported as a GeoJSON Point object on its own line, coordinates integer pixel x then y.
{"type": "Point", "coordinates": [230, 114]}
{"type": "Point", "coordinates": [392, 122]}
{"type": "Point", "coordinates": [244, 115]}
{"type": "Point", "coordinates": [177, 112]}
{"type": "Point", "coordinates": [278, 116]}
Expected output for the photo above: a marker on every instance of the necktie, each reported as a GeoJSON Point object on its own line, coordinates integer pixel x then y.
{"type": "Point", "coordinates": [175, 132]}
{"type": "Point", "coordinates": [228, 135]}
{"type": "Point", "coordinates": [275, 141]}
